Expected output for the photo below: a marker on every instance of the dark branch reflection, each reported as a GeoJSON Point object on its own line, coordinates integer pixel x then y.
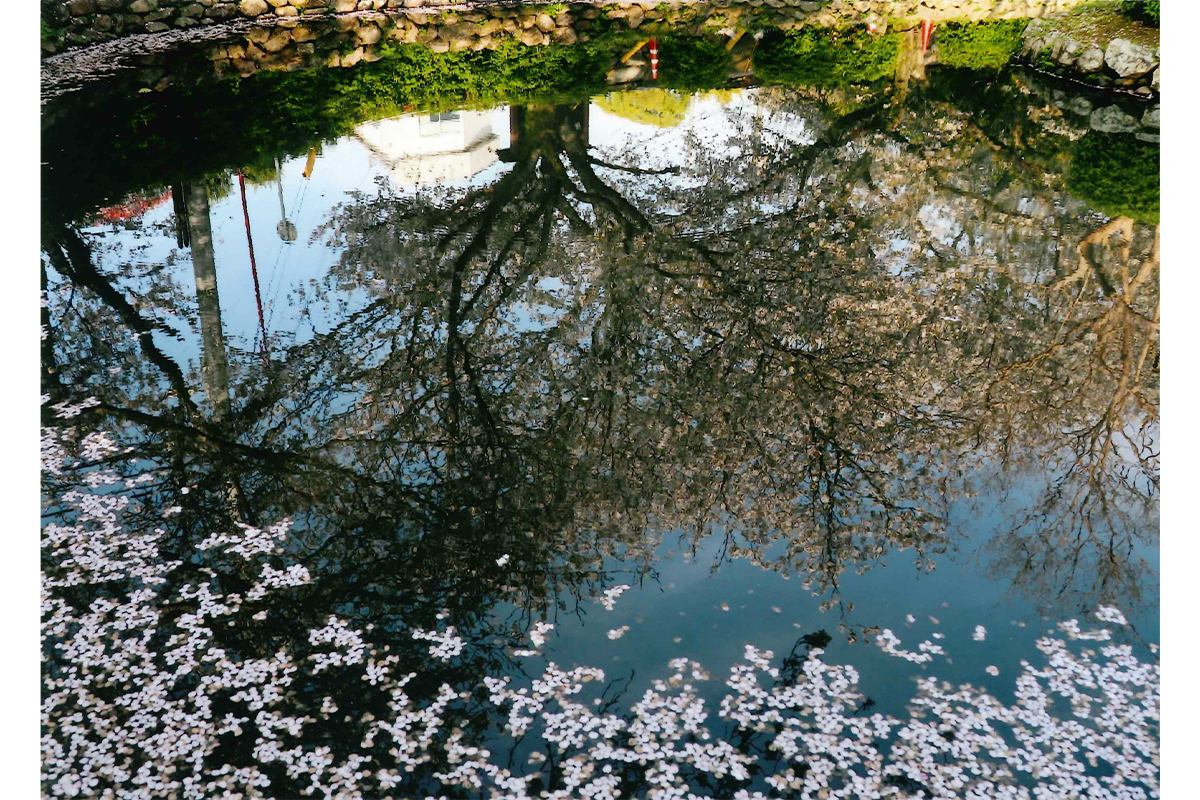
{"type": "Point", "coordinates": [814, 348]}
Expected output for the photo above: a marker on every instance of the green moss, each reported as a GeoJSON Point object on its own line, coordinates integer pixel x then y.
{"type": "Point", "coordinates": [979, 45]}
{"type": "Point", "coordinates": [1117, 174]}
{"type": "Point", "coordinates": [554, 9]}
{"type": "Point", "coordinates": [1044, 61]}
{"type": "Point", "coordinates": [827, 59]}
{"type": "Point", "coordinates": [49, 32]}
{"type": "Point", "coordinates": [693, 62]}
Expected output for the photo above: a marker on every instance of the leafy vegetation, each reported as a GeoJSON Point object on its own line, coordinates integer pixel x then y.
{"type": "Point", "coordinates": [1118, 174]}
{"type": "Point", "coordinates": [693, 62]}
{"type": "Point", "coordinates": [828, 59]}
{"type": "Point", "coordinates": [979, 45]}
{"type": "Point", "coordinates": [1141, 10]}
{"type": "Point", "coordinates": [226, 124]}
{"type": "Point", "coordinates": [661, 107]}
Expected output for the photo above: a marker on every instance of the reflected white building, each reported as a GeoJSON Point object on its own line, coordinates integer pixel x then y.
{"type": "Point", "coordinates": [429, 148]}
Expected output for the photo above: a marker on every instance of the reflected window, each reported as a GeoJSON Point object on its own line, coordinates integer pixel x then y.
{"type": "Point", "coordinates": [437, 124]}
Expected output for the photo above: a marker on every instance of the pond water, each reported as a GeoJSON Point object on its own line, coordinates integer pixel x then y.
{"type": "Point", "coordinates": [365, 394]}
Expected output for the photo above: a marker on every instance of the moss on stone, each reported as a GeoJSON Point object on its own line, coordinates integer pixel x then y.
{"type": "Point", "coordinates": [1045, 61]}
{"type": "Point", "coordinates": [979, 45]}
{"type": "Point", "coordinates": [828, 59]}
{"type": "Point", "coordinates": [1117, 174]}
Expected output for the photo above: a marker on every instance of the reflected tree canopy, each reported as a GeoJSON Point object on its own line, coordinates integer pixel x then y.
{"type": "Point", "coordinates": [810, 336]}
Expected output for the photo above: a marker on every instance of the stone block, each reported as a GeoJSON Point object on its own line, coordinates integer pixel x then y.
{"type": "Point", "coordinates": [1090, 60]}
{"type": "Point", "coordinates": [277, 41]}
{"type": "Point", "coordinates": [1129, 60]}
{"type": "Point", "coordinates": [369, 34]}
{"type": "Point", "coordinates": [531, 37]}
{"type": "Point", "coordinates": [1111, 119]}
{"type": "Point", "coordinates": [253, 8]}
{"type": "Point", "coordinates": [626, 74]}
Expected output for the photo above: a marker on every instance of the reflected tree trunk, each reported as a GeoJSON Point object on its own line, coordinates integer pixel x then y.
{"type": "Point", "coordinates": [214, 368]}
{"type": "Point", "coordinates": [183, 236]}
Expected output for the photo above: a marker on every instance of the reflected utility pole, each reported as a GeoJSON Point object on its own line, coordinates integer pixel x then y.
{"type": "Point", "coordinates": [214, 369]}
{"type": "Point", "coordinates": [262, 325]}
{"type": "Point", "coordinates": [287, 231]}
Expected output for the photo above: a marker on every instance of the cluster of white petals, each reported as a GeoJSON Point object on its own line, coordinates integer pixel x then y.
{"type": "Point", "coordinates": [143, 700]}
{"type": "Point", "coordinates": [609, 600]}
{"type": "Point", "coordinates": [1111, 614]}
{"type": "Point", "coordinates": [538, 634]}
{"type": "Point", "coordinates": [66, 409]}
{"type": "Point", "coordinates": [890, 644]}
{"type": "Point", "coordinates": [445, 644]}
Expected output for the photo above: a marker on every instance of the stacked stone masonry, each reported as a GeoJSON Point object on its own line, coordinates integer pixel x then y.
{"type": "Point", "coordinates": [70, 23]}
{"type": "Point", "coordinates": [1117, 63]}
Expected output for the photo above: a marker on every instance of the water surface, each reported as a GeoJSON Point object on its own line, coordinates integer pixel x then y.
{"type": "Point", "coordinates": [770, 363]}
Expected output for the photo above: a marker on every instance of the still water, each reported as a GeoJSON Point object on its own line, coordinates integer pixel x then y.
{"type": "Point", "coordinates": [361, 434]}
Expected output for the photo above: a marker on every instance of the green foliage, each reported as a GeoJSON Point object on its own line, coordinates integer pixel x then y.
{"type": "Point", "coordinates": [979, 45]}
{"type": "Point", "coordinates": [1044, 61]}
{"type": "Point", "coordinates": [554, 9]}
{"type": "Point", "coordinates": [1117, 174]}
{"type": "Point", "coordinates": [661, 107]}
{"type": "Point", "coordinates": [693, 62]}
{"type": "Point", "coordinates": [1140, 10]}
{"type": "Point", "coordinates": [828, 59]}
{"type": "Point", "coordinates": [203, 124]}
{"type": "Point", "coordinates": [49, 32]}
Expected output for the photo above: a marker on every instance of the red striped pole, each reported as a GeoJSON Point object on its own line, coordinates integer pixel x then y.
{"type": "Point", "coordinates": [654, 59]}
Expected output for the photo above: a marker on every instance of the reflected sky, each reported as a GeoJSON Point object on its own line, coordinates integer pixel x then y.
{"type": "Point", "coordinates": [783, 368]}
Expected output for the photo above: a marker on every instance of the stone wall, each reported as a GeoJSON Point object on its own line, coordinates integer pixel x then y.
{"type": "Point", "coordinates": [70, 23]}
{"type": "Point", "coordinates": [1087, 54]}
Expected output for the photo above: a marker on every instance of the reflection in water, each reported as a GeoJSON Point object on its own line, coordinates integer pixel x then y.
{"type": "Point", "coordinates": [804, 336]}
{"type": "Point", "coordinates": [432, 148]}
